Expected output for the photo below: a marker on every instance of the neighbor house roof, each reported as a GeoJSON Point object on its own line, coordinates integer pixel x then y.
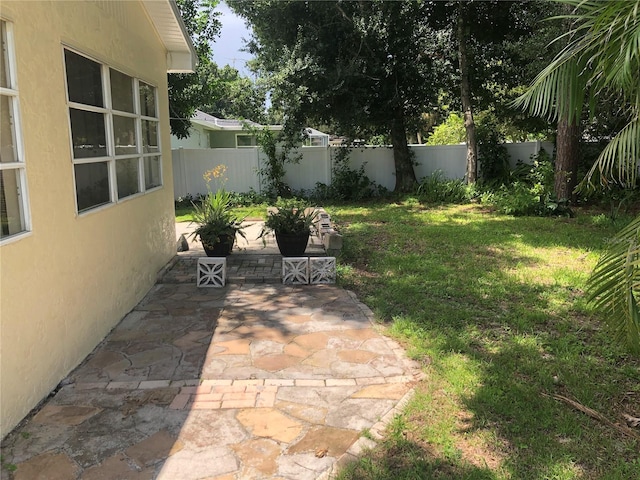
{"type": "Point", "coordinates": [165, 17]}
{"type": "Point", "coordinates": [315, 133]}
{"type": "Point", "coordinates": [215, 123]}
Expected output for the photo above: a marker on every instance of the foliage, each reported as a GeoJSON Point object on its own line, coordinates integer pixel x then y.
{"type": "Point", "coordinates": [492, 308]}
{"type": "Point", "coordinates": [515, 199]}
{"type": "Point", "coordinates": [360, 66]}
{"type": "Point", "coordinates": [346, 183]}
{"type": "Point", "coordinates": [482, 63]}
{"type": "Point", "coordinates": [189, 91]}
{"type": "Point", "coordinates": [232, 95]}
{"type": "Point", "coordinates": [436, 189]}
{"type": "Point", "coordinates": [213, 214]}
{"type": "Point", "coordinates": [291, 217]}
{"type": "Point", "coordinates": [247, 199]}
{"type": "Point", "coordinates": [278, 151]}
{"type": "Point", "coordinates": [450, 132]}
{"type": "Point", "coordinates": [602, 59]}
{"type": "Point", "coordinates": [614, 286]}
{"type": "Point", "coordinates": [530, 191]}
{"type": "Point", "coordinates": [492, 155]}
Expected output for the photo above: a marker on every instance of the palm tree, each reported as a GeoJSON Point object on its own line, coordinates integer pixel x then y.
{"type": "Point", "coordinates": [602, 57]}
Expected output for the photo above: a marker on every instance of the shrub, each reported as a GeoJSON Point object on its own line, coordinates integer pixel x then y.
{"type": "Point", "coordinates": [530, 192]}
{"type": "Point", "coordinates": [346, 182]}
{"type": "Point", "coordinates": [247, 199]}
{"type": "Point", "coordinates": [493, 157]}
{"type": "Point", "coordinates": [437, 189]}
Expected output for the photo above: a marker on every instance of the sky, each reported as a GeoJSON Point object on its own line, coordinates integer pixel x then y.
{"type": "Point", "coordinates": [226, 49]}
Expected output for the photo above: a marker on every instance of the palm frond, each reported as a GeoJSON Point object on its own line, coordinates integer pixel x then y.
{"type": "Point", "coordinates": [602, 55]}
{"type": "Point", "coordinates": [615, 284]}
{"type": "Point", "coordinates": [619, 161]}
{"type": "Point", "coordinates": [557, 91]}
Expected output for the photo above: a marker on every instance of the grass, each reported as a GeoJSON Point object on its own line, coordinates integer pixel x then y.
{"type": "Point", "coordinates": [253, 212]}
{"type": "Point", "coordinates": [493, 309]}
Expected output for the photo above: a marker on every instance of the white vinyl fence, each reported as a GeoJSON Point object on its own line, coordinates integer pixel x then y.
{"type": "Point", "coordinates": [315, 165]}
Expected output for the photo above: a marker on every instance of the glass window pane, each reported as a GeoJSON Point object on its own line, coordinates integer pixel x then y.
{"type": "Point", "coordinates": [11, 215]}
{"type": "Point", "coordinates": [152, 177]}
{"type": "Point", "coordinates": [87, 130]}
{"type": "Point", "coordinates": [121, 91]}
{"type": "Point", "coordinates": [147, 100]}
{"type": "Point", "coordinates": [92, 185]}
{"type": "Point", "coordinates": [4, 57]}
{"type": "Point", "coordinates": [84, 80]}
{"type": "Point", "coordinates": [8, 151]}
{"type": "Point", "coordinates": [150, 137]}
{"type": "Point", "coordinates": [127, 177]}
{"type": "Point", "coordinates": [246, 140]}
{"type": "Point", "coordinates": [124, 131]}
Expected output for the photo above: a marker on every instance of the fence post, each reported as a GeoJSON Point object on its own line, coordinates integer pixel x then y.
{"type": "Point", "coordinates": [179, 173]}
{"type": "Point", "coordinates": [257, 162]}
{"type": "Point", "coordinates": [329, 167]}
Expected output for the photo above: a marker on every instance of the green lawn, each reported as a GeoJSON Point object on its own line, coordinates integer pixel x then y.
{"type": "Point", "coordinates": [492, 306]}
{"type": "Point", "coordinates": [253, 212]}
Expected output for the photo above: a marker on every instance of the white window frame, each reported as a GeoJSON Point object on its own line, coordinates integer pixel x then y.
{"type": "Point", "coordinates": [308, 142]}
{"type": "Point", "coordinates": [109, 112]}
{"type": "Point", "coordinates": [19, 166]}
{"type": "Point", "coordinates": [246, 135]}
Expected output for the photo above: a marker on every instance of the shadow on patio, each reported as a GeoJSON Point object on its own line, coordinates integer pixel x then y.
{"type": "Point", "coordinates": [247, 381]}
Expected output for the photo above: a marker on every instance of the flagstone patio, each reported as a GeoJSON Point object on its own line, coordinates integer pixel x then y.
{"type": "Point", "coordinates": [248, 381]}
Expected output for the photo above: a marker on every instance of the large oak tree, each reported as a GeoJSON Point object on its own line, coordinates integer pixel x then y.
{"type": "Point", "coordinates": [364, 67]}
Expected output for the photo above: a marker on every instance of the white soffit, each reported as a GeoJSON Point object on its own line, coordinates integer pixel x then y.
{"type": "Point", "coordinates": [165, 16]}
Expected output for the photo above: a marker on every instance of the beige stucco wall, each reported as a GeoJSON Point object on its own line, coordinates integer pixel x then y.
{"type": "Point", "coordinates": [68, 283]}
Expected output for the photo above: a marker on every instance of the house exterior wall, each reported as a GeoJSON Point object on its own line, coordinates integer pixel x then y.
{"type": "Point", "coordinates": [66, 284]}
{"type": "Point", "coordinates": [223, 139]}
{"type": "Point", "coordinates": [200, 137]}
{"type": "Point", "coordinates": [197, 138]}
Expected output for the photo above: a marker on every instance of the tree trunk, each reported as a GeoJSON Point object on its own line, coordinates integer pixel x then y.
{"type": "Point", "coordinates": [405, 176]}
{"type": "Point", "coordinates": [567, 156]}
{"type": "Point", "coordinates": [465, 90]}
{"type": "Point", "coordinates": [567, 146]}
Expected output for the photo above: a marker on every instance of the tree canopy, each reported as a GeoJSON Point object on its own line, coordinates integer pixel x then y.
{"type": "Point", "coordinates": [219, 91]}
{"type": "Point", "coordinates": [364, 67]}
{"type": "Point", "coordinates": [231, 95]}
{"type": "Point", "coordinates": [188, 91]}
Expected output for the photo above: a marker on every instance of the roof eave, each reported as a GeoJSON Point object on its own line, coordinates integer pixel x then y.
{"type": "Point", "coordinates": [166, 19]}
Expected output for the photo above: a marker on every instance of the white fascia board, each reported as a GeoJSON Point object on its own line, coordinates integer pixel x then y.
{"type": "Point", "coordinates": [166, 19]}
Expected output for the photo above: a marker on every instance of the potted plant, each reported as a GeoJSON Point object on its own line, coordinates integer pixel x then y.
{"type": "Point", "coordinates": [217, 224]}
{"type": "Point", "coordinates": [291, 222]}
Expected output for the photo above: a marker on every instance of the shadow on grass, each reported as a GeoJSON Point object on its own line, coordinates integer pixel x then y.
{"type": "Point", "coordinates": [493, 306]}
{"type": "Point", "coordinates": [407, 460]}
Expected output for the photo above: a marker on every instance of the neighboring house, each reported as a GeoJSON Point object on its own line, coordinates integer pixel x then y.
{"type": "Point", "coordinates": [208, 131]}
{"type": "Point", "coordinates": [85, 179]}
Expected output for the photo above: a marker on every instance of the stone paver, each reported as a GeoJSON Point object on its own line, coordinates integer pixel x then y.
{"type": "Point", "coordinates": [250, 381]}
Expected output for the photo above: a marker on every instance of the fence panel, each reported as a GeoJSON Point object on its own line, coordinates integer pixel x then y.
{"type": "Point", "coordinates": [378, 164]}
{"type": "Point", "coordinates": [316, 165]}
{"type": "Point", "coordinates": [523, 151]}
{"type": "Point", "coordinates": [190, 164]}
{"type": "Point", "coordinates": [450, 159]}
